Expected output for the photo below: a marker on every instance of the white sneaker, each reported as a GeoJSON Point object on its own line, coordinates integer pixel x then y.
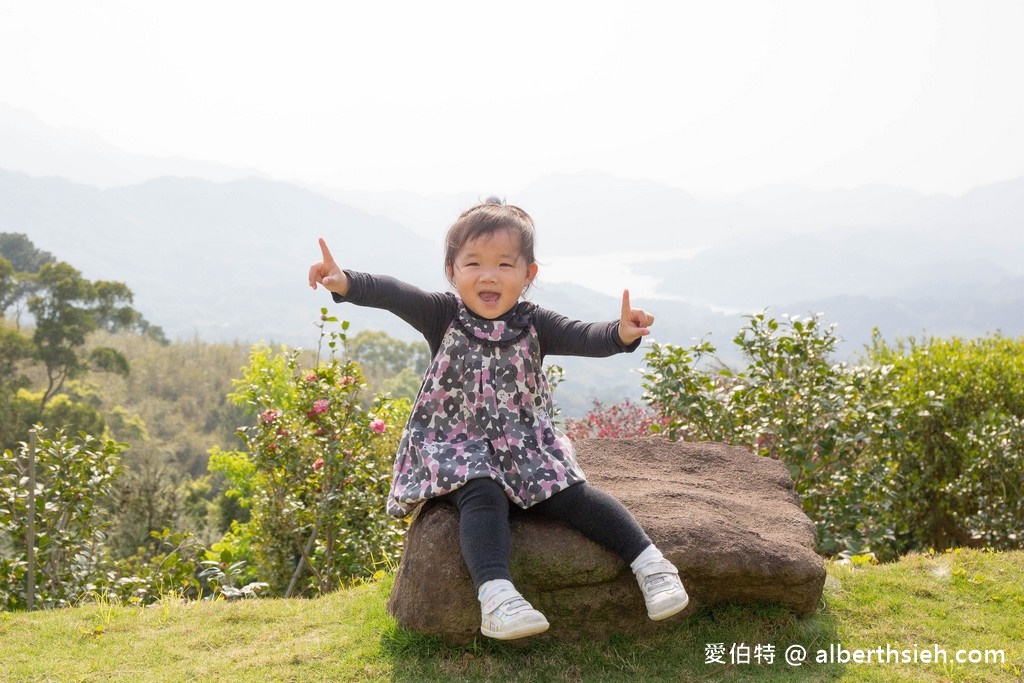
{"type": "Point", "coordinates": [508, 615]}
{"type": "Point", "coordinates": [662, 589]}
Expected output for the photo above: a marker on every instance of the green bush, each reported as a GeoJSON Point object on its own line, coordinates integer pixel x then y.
{"type": "Point", "coordinates": [169, 567]}
{"type": "Point", "coordinates": [834, 425]}
{"type": "Point", "coordinates": [919, 447]}
{"type": "Point", "coordinates": [74, 480]}
{"type": "Point", "coordinates": [960, 475]}
{"type": "Point", "coordinates": [315, 472]}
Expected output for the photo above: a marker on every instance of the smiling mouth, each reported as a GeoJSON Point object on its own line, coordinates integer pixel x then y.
{"type": "Point", "coordinates": [490, 297]}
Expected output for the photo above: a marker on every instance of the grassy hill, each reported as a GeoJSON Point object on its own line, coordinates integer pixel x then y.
{"type": "Point", "coordinates": [953, 603]}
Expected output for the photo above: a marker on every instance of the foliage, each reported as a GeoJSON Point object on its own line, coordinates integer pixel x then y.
{"type": "Point", "coordinates": [225, 575]}
{"type": "Point", "coordinates": [76, 482]}
{"type": "Point", "coordinates": [618, 421]}
{"type": "Point", "coordinates": [17, 249]}
{"type": "Point", "coordinates": [555, 375]}
{"type": "Point", "coordinates": [960, 476]}
{"type": "Point", "coordinates": [15, 350]}
{"type": "Point", "coordinates": [171, 410]}
{"type": "Point", "coordinates": [170, 570]}
{"type": "Point", "coordinates": [74, 479]}
{"type": "Point", "coordinates": [64, 309]}
{"type": "Point", "coordinates": [390, 366]}
{"type": "Point", "coordinates": [316, 469]}
{"type": "Point", "coordinates": [19, 259]}
{"type": "Point", "coordinates": [833, 425]}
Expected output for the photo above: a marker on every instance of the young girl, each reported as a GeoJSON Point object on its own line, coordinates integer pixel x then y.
{"type": "Point", "coordinates": [481, 434]}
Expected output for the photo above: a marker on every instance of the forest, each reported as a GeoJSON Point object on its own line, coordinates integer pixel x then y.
{"type": "Point", "coordinates": [213, 469]}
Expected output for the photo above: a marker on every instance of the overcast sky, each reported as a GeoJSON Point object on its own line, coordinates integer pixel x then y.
{"type": "Point", "coordinates": [713, 97]}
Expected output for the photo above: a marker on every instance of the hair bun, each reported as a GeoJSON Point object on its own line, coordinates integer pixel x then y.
{"type": "Point", "coordinates": [494, 199]}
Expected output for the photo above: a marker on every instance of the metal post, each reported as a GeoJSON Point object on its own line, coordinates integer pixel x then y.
{"type": "Point", "coordinates": [30, 533]}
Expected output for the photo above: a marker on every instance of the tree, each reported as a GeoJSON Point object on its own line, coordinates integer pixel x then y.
{"type": "Point", "coordinates": [19, 259]}
{"type": "Point", "coordinates": [15, 350]}
{"type": "Point", "coordinates": [17, 248]}
{"type": "Point", "coordinates": [65, 308]}
{"type": "Point", "coordinates": [8, 285]}
{"type": "Point", "coordinates": [390, 365]}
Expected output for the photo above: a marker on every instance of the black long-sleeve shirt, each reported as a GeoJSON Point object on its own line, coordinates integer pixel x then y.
{"type": "Point", "coordinates": [431, 313]}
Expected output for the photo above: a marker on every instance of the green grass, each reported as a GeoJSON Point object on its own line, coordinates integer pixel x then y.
{"type": "Point", "coordinates": [958, 601]}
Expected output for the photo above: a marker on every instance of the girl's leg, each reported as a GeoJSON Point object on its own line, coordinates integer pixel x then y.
{"type": "Point", "coordinates": [485, 540]}
{"type": "Point", "coordinates": [604, 520]}
{"type": "Point", "coordinates": [598, 516]}
{"type": "Point", "coordinates": [484, 534]}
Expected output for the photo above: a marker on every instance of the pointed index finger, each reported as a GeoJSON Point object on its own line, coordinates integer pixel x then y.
{"type": "Point", "coordinates": [325, 251]}
{"type": "Point", "coordinates": [626, 309]}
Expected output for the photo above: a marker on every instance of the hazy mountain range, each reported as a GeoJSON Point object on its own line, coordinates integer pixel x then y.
{"type": "Point", "coordinates": [222, 254]}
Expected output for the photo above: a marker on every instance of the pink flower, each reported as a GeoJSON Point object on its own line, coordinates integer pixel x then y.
{"type": "Point", "coordinates": [378, 426]}
{"type": "Point", "coordinates": [320, 406]}
{"type": "Point", "coordinates": [318, 465]}
{"type": "Point", "coordinates": [269, 415]}
{"type": "Point", "coordinates": [311, 377]}
{"type": "Point", "coordinates": [346, 380]}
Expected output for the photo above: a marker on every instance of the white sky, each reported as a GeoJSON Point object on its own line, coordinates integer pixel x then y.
{"type": "Point", "coordinates": [711, 96]}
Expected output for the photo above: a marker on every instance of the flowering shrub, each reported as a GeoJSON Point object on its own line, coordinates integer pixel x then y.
{"type": "Point", "coordinates": [315, 471]}
{"type": "Point", "coordinates": [618, 421]}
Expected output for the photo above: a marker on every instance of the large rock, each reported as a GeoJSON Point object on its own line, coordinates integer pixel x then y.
{"type": "Point", "coordinates": [729, 520]}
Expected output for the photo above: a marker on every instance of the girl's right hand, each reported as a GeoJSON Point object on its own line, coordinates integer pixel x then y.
{"type": "Point", "coordinates": [327, 273]}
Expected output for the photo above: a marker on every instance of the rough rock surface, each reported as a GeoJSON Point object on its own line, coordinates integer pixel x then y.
{"type": "Point", "coordinates": [729, 520]}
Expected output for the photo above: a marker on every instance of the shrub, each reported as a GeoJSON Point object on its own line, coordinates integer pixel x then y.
{"type": "Point", "coordinates": [833, 425]}
{"type": "Point", "coordinates": [617, 421]}
{"type": "Point", "coordinates": [315, 472]}
{"type": "Point", "coordinates": [170, 567]}
{"type": "Point", "coordinates": [959, 478]}
{"type": "Point", "coordinates": [74, 480]}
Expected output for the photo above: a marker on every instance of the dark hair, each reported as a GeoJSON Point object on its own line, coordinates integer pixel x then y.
{"type": "Point", "coordinates": [490, 216]}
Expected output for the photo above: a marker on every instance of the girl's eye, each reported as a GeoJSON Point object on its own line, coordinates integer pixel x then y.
{"type": "Point", "coordinates": [506, 265]}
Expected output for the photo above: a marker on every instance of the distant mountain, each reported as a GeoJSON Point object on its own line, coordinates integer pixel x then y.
{"type": "Point", "coordinates": [220, 261]}
{"type": "Point", "coordinates": [775, 271]}
{"type": "Point", "coordinates": [578, 213]}
{"type": "Point", "coordinates": [37, 149]}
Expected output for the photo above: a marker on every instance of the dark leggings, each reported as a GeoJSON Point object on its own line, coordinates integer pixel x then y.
{"type": "Point", "coordinates": [486, 539]}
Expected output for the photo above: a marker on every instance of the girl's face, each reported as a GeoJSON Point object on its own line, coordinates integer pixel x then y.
{"type": "Point", "coordinates": [490, 274]}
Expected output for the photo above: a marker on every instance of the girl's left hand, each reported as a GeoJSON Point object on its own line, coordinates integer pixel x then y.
{"type": "Point", "coordinates": [634, 323]}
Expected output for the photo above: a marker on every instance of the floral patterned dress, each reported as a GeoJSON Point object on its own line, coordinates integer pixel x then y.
{"type": "Point", "coordinates": [484, 410]}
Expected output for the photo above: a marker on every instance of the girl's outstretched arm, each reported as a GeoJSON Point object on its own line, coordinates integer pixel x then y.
{"type": "Point", "coordinates": [634, 322]}
{"type": "Point", "coordinates": [327, 273]}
